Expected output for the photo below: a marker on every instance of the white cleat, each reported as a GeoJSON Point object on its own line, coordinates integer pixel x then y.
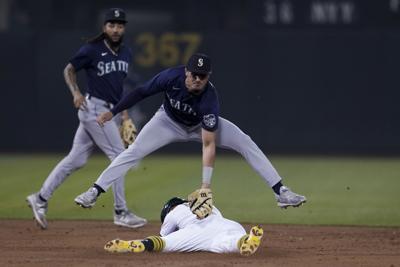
{"type": "Point", "coordinates": [128, 219]}
{"type": "Point", "coordinates": [288, 198]}
{"type": "Point", "coordinates": [39, 209]}
{"type": "Point", "coordinates": [87, 199]}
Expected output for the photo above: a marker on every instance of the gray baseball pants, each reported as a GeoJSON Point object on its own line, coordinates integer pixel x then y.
{"type": "Point", "coordinates": [162, 130]}
{"type": "Point", "coordinates": [88, 135]}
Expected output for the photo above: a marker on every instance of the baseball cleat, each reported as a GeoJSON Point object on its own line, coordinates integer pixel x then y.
{"type": "Point", "coordinates": [122, 246]}
{"type": "Point", "coordinates": [128, 219]}
{"type": "Point", "coordinates": [287, 198]}
{"type": "Point", "coordinates": [137, 246]}
{"type": "Point", "coordinates": [252, 242]}
{"type": "Point", "coordinates": [87, 199]}
{"type": "Point", "coordinates": [39, 209]}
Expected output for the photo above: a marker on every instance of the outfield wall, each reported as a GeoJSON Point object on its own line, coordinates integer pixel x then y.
{"type": "Point", "coordinates": [295, 88]}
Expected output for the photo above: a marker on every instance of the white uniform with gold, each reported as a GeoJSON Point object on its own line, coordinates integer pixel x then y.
{"type": "Point", "coordinates": [183, 232]}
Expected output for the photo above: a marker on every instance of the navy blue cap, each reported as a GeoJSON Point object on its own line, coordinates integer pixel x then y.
{"type": "Point", "coordinates": [115, 14]}
{"type": "Point", "coordinates": [199, 63]}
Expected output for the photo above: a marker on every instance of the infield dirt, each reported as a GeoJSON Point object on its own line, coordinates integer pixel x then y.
{"type": "Point", "coordinates": [80, 243]}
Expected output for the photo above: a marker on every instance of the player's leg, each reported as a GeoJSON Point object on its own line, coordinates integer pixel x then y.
{"type": "Point", "coordinates": [159, 131]}
{"type": "Point", "coordinates": [226, 236]}
{"type": "Point", "coordinates": [183, 240]}
{"type": "Point", "coordinates": [108, 139]}
{"type": "Point", "coordinates": [81, 149]}
{"type": "Point", "coordinates": [218, 235]}
{"type": "Point", "coordinates": [187, 240]}
{"type": "Point", "coordinates": [230, 136]}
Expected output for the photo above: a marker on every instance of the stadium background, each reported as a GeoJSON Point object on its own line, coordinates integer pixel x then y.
{"type": "Point", "coordinates": [301, 77]}
{"type": "Point", "coordinates": [314, 83]}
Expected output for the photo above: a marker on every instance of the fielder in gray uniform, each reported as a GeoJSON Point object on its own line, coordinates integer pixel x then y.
{"type": "Point", "coordinates": [190, 112]}
{"type": "Point", "coordinates": [105, 60]}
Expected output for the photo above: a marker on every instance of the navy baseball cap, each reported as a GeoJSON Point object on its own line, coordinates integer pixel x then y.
{"type": "Point", "coordinates": [199, 63]}
{"type": "Point", "coordinates": [115, 14]}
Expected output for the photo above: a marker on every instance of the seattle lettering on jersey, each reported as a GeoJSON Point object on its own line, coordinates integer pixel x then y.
{"type": "Point", "coordinates": [179, 104]}
{"type": "Point", "coordinates": [185, 108]}
{"type": "Point", "coordinates": [108, 67]}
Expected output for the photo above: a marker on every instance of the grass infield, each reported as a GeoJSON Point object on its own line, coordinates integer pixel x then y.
{"type": "Point", "coordinates": [340, 190]}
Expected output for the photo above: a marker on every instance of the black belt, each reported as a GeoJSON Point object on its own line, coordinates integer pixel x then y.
{"type": "Point", "coordinates": [105, 103]}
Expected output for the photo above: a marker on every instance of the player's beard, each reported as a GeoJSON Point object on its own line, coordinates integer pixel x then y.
{"type": "Point", "coordinates": [196, 91]}
{"type": "Point", "coordinates": [113, 44]}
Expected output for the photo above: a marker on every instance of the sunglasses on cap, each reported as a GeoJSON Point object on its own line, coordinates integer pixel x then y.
{"type": "Point", "coordinates": [201, 76]}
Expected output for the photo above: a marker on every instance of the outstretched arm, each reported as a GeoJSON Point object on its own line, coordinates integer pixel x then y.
{"type": "Point", "coordinates": [126, 102]}
{"type": "Point", "coordinates": [208, 156]}
{"type": "Point", "coordinates": [155, 85]}
{"type": "Point", "coordinates": [201, 200]}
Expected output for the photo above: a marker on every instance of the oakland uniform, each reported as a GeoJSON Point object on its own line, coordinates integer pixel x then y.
{"type": "Point", "coordinates": [182, 231]}
{"type": "Point", "coordinates": [180, 119]}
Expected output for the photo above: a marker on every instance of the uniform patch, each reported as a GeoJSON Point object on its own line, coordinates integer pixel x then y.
{"type": "Point", "coordinates": [210, 120]}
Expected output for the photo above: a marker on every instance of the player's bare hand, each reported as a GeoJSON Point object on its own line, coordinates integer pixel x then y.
{"type": "Point", "coordinates": [104, 117]}
{"type": "Point", "coordinates": [79, 101]}
{"type": "Point", "coordinates": [125, 115]}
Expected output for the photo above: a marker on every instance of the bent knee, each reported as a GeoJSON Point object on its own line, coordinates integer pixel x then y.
{"type": "Point", "coordinates": [74, 163]}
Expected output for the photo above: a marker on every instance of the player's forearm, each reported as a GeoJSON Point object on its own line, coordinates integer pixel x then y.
{"type": "Point", "coordinates": [208, 155]}
{"type": "Point", "coordinates": [208, 140]}
{"type": "Point", "coordinates": [70, 79]}
{"type": "Point", "coordinates": [128, 101]}
{"type": "Point", "coordinates": [208, 163]}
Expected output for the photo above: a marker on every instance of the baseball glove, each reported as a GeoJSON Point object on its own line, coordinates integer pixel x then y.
{"type": "Point", "coordinates": [128, 132]}
{"type": "Point", "coordinates": [201, 202]}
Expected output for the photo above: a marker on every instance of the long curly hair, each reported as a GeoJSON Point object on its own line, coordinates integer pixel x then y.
{"type": "Point", "coordinates": [99, 37]}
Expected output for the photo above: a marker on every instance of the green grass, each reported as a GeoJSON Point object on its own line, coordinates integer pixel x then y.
{"type": "Point", "coordinates": [340, 191]}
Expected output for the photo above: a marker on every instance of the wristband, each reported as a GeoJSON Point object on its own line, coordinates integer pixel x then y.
{"type": "Point", "coordinates": [207, 173]}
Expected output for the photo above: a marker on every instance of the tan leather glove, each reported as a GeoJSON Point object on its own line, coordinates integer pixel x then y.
{"type": "Point", "coordinates": [128, 132]}
{"type": "Point", "coordinates": [201, 202]}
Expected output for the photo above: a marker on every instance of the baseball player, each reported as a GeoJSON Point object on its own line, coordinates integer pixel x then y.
{"type": "Point", "coordinates": [190, 112]}
{"type": "Point", "coordinates": [182, 231]}
{"type": "Point", "coordinates": [105, 60]}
